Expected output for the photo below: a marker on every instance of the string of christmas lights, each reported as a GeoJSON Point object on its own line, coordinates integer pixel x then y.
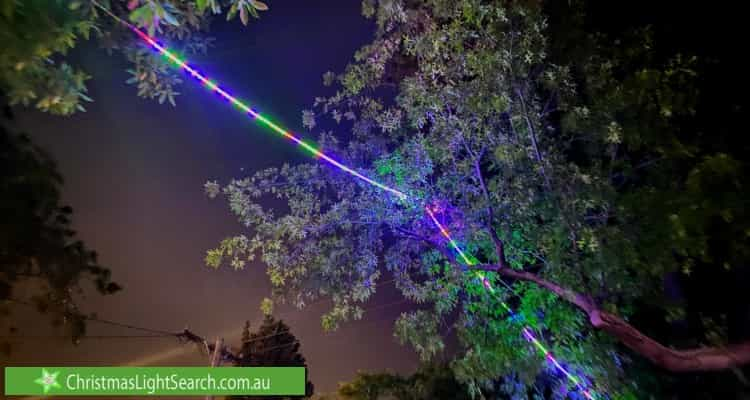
{"type": "Point", "coordinates": [526, 331]}
{"type": "Point", "coordinates": [211, 85]}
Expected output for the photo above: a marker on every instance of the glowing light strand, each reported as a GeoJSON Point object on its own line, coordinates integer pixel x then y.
{"type": "Point", "coordinates": [319, 154]}
{"type": "Point", "coordinates": [526, 331]}
{"type": "Point", "coordinates": [260, 118]}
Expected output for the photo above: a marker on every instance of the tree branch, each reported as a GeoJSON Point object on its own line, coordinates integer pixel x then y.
{"type": "Point", "coordinates": [499, 247]}
{"type": "Point", "coordinates": [702, 359]}
{"type": "Point", "coordinates": [437, 246]}
{"type": "Point", "coordinates": [532, 135]}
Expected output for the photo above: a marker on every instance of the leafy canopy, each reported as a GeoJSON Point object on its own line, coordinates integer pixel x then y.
{"type": "Point", "coordinates": [536, 149]}
{"type": "Point", "coordinates": [37, 36]}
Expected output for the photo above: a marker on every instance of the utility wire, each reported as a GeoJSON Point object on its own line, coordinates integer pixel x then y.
{"type": "Point", "coordinates": [87, 337]}
{"type": "Point", "coordinates": [122, 325]}
{"type": "Point", "coordinates": [105, 321]}
{"type": "Point", "coordinates": [186, 335]}
{"type": "Point", "coordinates": [158, 333]}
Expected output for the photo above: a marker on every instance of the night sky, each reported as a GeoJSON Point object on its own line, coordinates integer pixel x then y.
{"type": "Point", "coordinates": [134, 174]}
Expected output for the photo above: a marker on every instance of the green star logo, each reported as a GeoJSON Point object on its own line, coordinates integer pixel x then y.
{"type": "Point", "coordinates": [48, 380]}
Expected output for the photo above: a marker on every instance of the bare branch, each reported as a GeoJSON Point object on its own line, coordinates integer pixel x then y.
{"type": "Point", "coordinates": [499, 247]}
{"type": "Point", "coordinates": [532, 135]}
{"type": "Point", "coordinates": [436, 245]}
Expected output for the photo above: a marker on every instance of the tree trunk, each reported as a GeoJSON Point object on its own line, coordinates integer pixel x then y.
{"type": "Point", "coordinates": [701, 359]}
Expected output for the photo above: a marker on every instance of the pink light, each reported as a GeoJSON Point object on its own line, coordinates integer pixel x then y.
{"type": "Point", "coordinates": [445, 233]}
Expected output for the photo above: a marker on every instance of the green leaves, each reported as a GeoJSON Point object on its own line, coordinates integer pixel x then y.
{"type": "Point", "coordinates": [259, 5]}
{"type": "Point", "coordinates": [57, 89]}
{"type": "Point", "coordinates": [448, 119]}
{"type": "Point", "coordinates": [202, 5]}
{"type": "Point", "coordinates": [142, 15]}
{"type": "Point", "coordinates": [266, 306]}
{"type": "Point", "coordinates": [38, 34]}
{"type": "Point", "coordinates": [153, 76]}
{"type": "Point", "coordinates": [558, 159]}
{"type": "Point", "coordinates": [420, 330]}
{"type": "Point", "coordinates": [152, 12]}
{"type": "Point", "coordinates": [246, 8]}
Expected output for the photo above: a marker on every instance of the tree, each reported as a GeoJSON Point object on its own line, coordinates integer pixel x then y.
{"type": "Point", "coordinates": [37, 244]}
{"type": "Point", "coordinates": [429, 382]}
{"type": "Point", "coordinates": [272, 345]}
{"type": "Point", "coordinates": [38, 34]}
{"type": "Point", "coordinates": [436, 381]}
{"type": "Point", "coordinates": [558, 161]}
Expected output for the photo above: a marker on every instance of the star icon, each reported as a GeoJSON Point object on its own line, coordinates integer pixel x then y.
{"type": "Point", "coordinates": [48, 380]}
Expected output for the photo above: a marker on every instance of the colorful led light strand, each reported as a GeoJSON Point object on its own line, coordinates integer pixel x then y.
{"type": "Point", "coordinates": [319, 154]}
{"type": "Point", "coordinates": [526, 331]}
{"type": "Point", "coordinates": [265, 121]}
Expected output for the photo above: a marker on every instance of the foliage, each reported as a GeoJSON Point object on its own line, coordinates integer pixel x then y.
{"type": "Point", "coordinates": [39, 253]}
{"type": "Point", "coordinates": [271, 345]}
{"type": "Point", "coordinates": [543, 149]}
{"type": "Point", "coordinates": [37, 36]}
{"type": "Point", "coordinates": [438, 381]}
{"type": "Point", "coordinates": [33, 33]}
{"type": "Point", "coordinates": [433, 381]}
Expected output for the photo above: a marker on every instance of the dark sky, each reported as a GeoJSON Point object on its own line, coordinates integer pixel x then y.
{"type": "Point", "coordinates": [134, 174]}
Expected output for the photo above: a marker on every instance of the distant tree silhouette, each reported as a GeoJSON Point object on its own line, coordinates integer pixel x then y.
{"type": "Point", "coordinates": [430, 381]}
{"type": "Point", "coordinates": [272, 345]}
{"type": "Point", "coordinates": [36, 240]}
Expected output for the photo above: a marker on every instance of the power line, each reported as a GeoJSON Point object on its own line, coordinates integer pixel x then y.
{"type": "Point", "coordinates": [122, 325]}
{"type": "Point", "coordinates": [104, 321]}
{"type": "Point", "coordinates": [158, 333]}
{"type": "Point", "coordinates": [86, 337]}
